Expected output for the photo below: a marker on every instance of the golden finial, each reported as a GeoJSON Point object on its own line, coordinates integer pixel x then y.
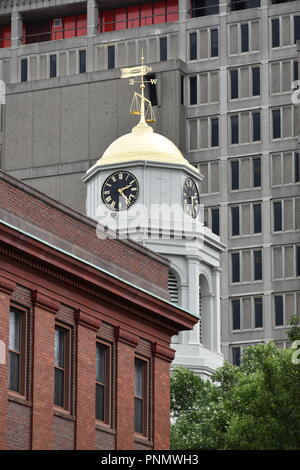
{"type": "Point", "coordinates": [140, 104]}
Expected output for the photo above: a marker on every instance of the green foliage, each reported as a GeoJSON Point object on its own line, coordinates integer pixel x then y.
{"type": "Point", "coordinates": [294, 332]}
{"type": "Point", "coordinates": [254, 406]}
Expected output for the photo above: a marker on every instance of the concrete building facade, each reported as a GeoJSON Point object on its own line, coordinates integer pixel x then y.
{"type": "Point", "coordinates": [224, 75]}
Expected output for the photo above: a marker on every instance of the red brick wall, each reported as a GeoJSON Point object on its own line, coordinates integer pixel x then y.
{"type": "Point", "coordinates": [63, 433]}
{"type": "Point", "coordinates": [19, 426]}
{"type": "Point", "coordinates": [161, 400]}
{"type": "Point", "coordinates": [105, 440]}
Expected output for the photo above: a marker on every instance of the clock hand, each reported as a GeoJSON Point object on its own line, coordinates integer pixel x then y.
{"type": "Point", "coordinates": [120, 191]}
{"type": "Point", "coordinates": [125, 187]}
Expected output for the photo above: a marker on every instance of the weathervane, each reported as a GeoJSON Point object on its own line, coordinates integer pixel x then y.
{"type": "Point", "coordinates": [139, 101]}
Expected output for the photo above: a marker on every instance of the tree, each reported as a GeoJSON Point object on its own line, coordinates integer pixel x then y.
{"type": "Point", "coordinates": [294, 332]}
{"type": "Point", "coordinates": [254, 406]}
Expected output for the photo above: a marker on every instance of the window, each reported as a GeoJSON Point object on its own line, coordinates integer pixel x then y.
{"type": "Point", "coordinates": [53, 67]}
{"type": "Point", "coordinates": [235, 179]}
{"type": "Point", "coordinates": [234, 129]}
{"type": "Point", "coordinates": [103, 366]}
{"type": "Point", "coordinates": [236, 356]}
{"type": "Point", "coordinates": [152, 89]}
{"type": "Point", "coordinates": [234, 84]}
{"type": "Point", "coordinates": [204, 7]}
{"type": "Point", "coordinates": [61, 368]}
{"type": "Point", "coordinates": [296, 28]}
{"type": "Point", "coordinates": [141, 396]}
{"type": "Point", "coordinates": [82, 61]}
{"type": "Point", "coordinates": [193, 90]}
{"type": "Point", "coordinates": [256, 172]}
{"type": "Point", "coordinates": [297, 167]}
{"type": "Point", "coordinates": [235, 262]}
{"type": "Point", "coordinates": [277, 210]}
{"type": "Point", "coordinates": [163, 49]}
{"type": "Point", "coordinates": [16, 382]}
{"type": "Point", "coordinates": [295, 70]}
{"type": "Point", "coordinates": [181, 89]}
{"type": "Point", "coordinates": [214, 43]}
{"type": "Point", "coordinates": [235, 219]}
{"type": "Point", "coordinates": [243, 4]}
{"type": "Point", "coordinates": [111, 57]}
{"type": "Point", "coordinates": [298, 261]}
{"type": "Point", "coordinates": [245, 37]}
{"type": "Point", "coordinates": [256, 126]}
{"type": "Point", "coordinates": [257, 218]}
{"type": "Point", "coordinates": [193, 46]}
{"type": "Point", "coordinates": [278, 310]}
{"type": "Point", "coordinates": [215, 132]}
{"type": "Point", "coordinates": [257, 265]}
{"type": "Point", "coordinates": [275, 33]}
{"type": "Point", "coordinates": [255, 81]}
{"type": "Point", "coordinates": [24, 70]}
{"type": "Point", "coordinates": [215, 221]}
{"type": "Point", "coordinates": [276, 123]}
{"type": "Point", "coordinates": [236, 314]}
{"type": "Point", "coordinates": [258, 312]}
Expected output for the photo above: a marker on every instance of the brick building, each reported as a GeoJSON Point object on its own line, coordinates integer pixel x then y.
{"type": "Point", "coordinates": [85, 331]}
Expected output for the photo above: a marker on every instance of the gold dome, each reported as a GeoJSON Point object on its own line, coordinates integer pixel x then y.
{"type": "Point", "coordinates": [143, 144]}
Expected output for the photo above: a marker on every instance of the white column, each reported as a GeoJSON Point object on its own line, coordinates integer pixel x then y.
{"type": "Point", "coordinates": [183, 6]}
{"type": "Point", "coordinates": [92, 26]}
{"type": "Point", "coordinates": [216, 326]}
{"type": "Point", "coordinates": [207, 321]}
{"type": "Point", "coordinates": [16, 28]}
{"type": "Point", "coordinates": [193, 283]}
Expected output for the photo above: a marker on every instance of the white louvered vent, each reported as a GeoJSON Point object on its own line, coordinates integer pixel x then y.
{"type": "Point", "coordinates": [173, 288]}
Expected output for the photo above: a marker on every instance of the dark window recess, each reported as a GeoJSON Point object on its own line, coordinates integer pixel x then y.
{"type": "Point", "coordinates": [234, 82]}
{"type": "Point", "coordinates": [296, 28]}
{"type": "Point", "coordinates": [215, 221]}
{"type": "Point", "coordinates": [298, 260]}
{"type": "Point", "coordinates": [295, 70]}
{"type": "Point", "coordinates": [111, 62]}
{"type": "Point", "coordinates": [24, 70]}
{"type": "Point", "coordinates": [193, 46]}
{"type": "Point", "coordinates": [245, 37]}
{"type": "Point", "coordinates": [15, 351]}
{"type": "Point", "coordinates": [234, 120]}
{"type": "Point", "coordinates": [275, 33]}
{"type": "Point", "coordinates": [235, 261]}
{"type": "Point", "coordinates": [235, 175]}
{"type": "Point", "coordinates": [102, 382]}
{"type": "Point", "coordinates": [236, 314]}
{"type": "Point", "coordinates": [277, 207]}
{"type": "Point", "coordinates": [152, 90]}
{"type": "Point", "coordinates": [182, 89]}
{"type": "Point", "coordinates": [276, 124]}
{"type": "Point", "coordinates": [214, 42]}
{"type": "Point", "coordinates": [297, 167]}
{"type": "Point", "coordinates": [235, 219]}
{"type": "Point", "coordinates": [258, 305]}
{"type": "Point", "coordinates": [60, 367]}
{"type": "Point", "coordinates": [38, 31]}
{"type": "Point", "coordinates": [236, 356]}
{"type": "Point", "coordinates": [257, 265]}
{"type": "Point", "coordinates": [163, 49]}
{"type": "Point", "coordinates": [256, 126]}
{"type": "Point", "coordinates": [82, 61]}
{"type": "Point", "coordinates": [257, 172]}
{"type": "Point", "coordinates": [255, 81]}
{"type": "Point", "coordinates": [140, 397]}
{"type": "Point", "coordinates": [257, 218]}
{"type": "Point", "coordinates": [53, 66]}
{"type": "Point", "coordinates": [278, 310]}
{"type": "Point", "coordinates": [215, 132]}
{"type": "Point", "coordinates": [204, 7]}
{"type": "Point", "coordinates": [243, 4]}
{"type": "Point", "coordinates": [193, 90]}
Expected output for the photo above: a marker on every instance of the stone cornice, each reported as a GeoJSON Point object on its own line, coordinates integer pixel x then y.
{"type": "Point", "coordinates": [124, 336]}
{"type": "Point", "coordinates": [167, 354]}
{"type": "Point", "coordinates": [44, 302]}
{"type": "Point", "coordinates": [7, 286]}
{"type": "Point", "coordinates": [86, 320]}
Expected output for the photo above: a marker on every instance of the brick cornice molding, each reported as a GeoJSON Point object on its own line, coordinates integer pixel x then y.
{"type": "Point", "coordinates": [124, 336]}
{"type": "Point", "coordinates": [86, 320]}
{"type": "Point", "coordinates": [46, 303]}
{"type": "Point", "coordinates": [7, 286]}
{"type": "Point", "coordinates": [167, 354]}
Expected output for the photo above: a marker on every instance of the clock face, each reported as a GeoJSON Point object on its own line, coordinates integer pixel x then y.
{"type": "Point", "coordinates": [120, 190]}
{"type": "Point", "coordinates": [191, 199]}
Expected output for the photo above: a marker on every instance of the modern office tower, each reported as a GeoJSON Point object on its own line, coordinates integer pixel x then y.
{"type": "Point", "coordinates": [225, 72]}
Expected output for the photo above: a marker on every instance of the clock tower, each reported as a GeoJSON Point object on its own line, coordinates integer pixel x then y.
{"type": "Point", "coordinates": [143, 188]}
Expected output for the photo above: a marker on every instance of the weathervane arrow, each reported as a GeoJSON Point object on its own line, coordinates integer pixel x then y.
{"type": "Point", "coordinates": [137, 71]}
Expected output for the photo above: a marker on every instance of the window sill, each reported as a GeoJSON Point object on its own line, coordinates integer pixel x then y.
{"type": "Point", "coordinates": [104, 427]}
{"type": "Point", "coordinates": [142, 439]}
{"type": "Point", "coordinates": [17, 398]}
{"type": "Point", "coordinates": [63, 414]}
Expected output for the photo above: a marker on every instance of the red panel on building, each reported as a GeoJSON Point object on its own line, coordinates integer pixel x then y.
{"type": "Point", "coordinates": [6, 36]}
{"type": "Point", "coordinates": [120, 18]}
{"type": "Point", "coordinates": [57, 29]}
{"type": "Point", "coordinates": [159, 12]}
{"type": "Point", "coordinates": [134, 17]}
{"type": "Point", "coordinates": [146, 14]}
{"type": "Point", "coordinates": [81, 25]}
{"type": "Point", "coordinates": [69, 26]}
{"type": "Point", "coordinates": [107, 23]}
{"type": "Point", "coordinates": [172, 10]}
